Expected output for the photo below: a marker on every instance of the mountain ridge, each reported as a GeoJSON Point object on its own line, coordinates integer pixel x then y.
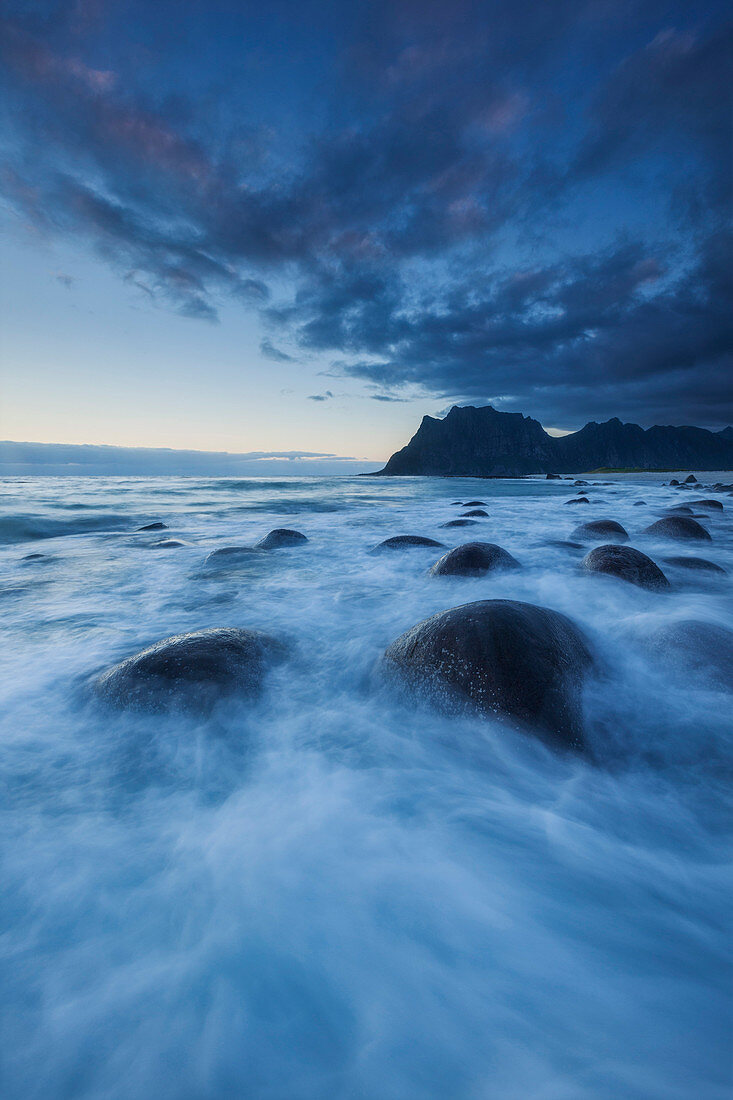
{"type": "Point", "coordinates": [480, 441]}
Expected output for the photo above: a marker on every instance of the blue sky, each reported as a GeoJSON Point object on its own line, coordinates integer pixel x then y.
{"type": "Point", "coordinates": [253, 227]}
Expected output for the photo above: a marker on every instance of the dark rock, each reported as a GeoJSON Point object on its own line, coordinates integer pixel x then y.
{"type": "Point", "coordinates": [473, 559]}
{"type": "Point", "coordinates": [191, 671]}
{"type": "Point", "coordinates": [579, 482]}
{"type": "Point", "coordinates": [627, 564]}
{"type": "Point", "coordinates": [680, 510]}
{"type": "Point", "coordinates": [459, 503]}
{"type": "Point", "coordinates": [578, 500]}
{"type": "Point", "coordinates": [599, 529]}
{"type": "Point", "coordinates": [565, 544]}
{"type": "Point", "coordinates": [460, 523]}
{"type": "Point", "coordinates": [674, 481]}
{"type": "Point", "coordinates": [477, 512]}
{"type": "Point", "coordinates": [553, 477]}
{"type": "Point", "coordinates": [701, 564]}
{"type": "Point", "coordinates": [166, 544]}
{"type": "Point", "coordinates": [638, 503]}
{"type": "Point", "coordinates": [34, 557]}
{"type": "Point", "coordinates": [231, 555]}
{"type": "Point", "coordinates": [697, 647]}
{"type": "Point", "coordinates": [405, 542]}
{"type": "Point", "coordinates": [678, 527]}
{"type": "Point", "coordinates": [690, 480]}
{"type": "Point", "coordinates": [707, 504]}
{"type": "Point", "coordinates": [154, 527]}
{"type": "Point", "coordinates": [506, 658]}
{"type": "Point", "coordinates": [280, 537]}
{"type": "Point", "coordinates": [475, 504]}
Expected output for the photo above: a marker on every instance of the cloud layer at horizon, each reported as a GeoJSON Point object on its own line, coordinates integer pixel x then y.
{"type": "Point", "coordinates": [517, 203]}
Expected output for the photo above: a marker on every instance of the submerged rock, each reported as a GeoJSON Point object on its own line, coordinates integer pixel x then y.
{"type": "Point", "coordinates": [597, 529]}
{"type": "Point", "coordinates": [281, 536]}
{"type": "Point", "coordinates": [191, 671]}
{"type": "Point", "coordinates": [690, 480]}
{"type": "Point", "coordinates": [707, 504]}
{"type": "Point", "coordinates": [460, 523]}
{"type": "Point", "coordinates": [477, 512]}
{"type": "Point", "coordinates": [166, 544]}
{"type": "Point", "coordinates": [627, 564]}
{"type": "Point", "coordinates": [638, 503]}
{"type": "Point", "coordinates": [475, 504]}
{"type": "Point", "coordinates": [231, 555]}
{"type": "Point", "coordinates": [154, 527]}
{"type": "Point", "coordinates": [705, 649]}
{"type": "Point", "coordinates": [578, 500]}
{"type": "Point", "coordinates": [679, 510]}
{"type": "Point", "coordinates": [553, 477]}
{"type": "Point", "coordinates": [506, 658]}
{"type": "Point", "coordinates": [405, 542]}
{"type": "Point", "coordinates": [678, 527]}
{"type": "Point", "coordinates": [564, 544]}
{"type": "Point", "coordinates": [474, 559]}
{"type": "Point", "coordinates": [700, 564]}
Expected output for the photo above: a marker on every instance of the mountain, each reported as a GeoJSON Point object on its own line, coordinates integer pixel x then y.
{"type": "Point", "coordinates": [481, 442]}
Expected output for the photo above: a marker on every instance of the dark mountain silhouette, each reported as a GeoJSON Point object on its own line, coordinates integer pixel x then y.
{"type": "Point", "coordinates": [481, 442]}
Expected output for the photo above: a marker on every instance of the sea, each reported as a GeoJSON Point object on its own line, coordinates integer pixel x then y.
{"type": "Point", "coordinates": [336, 892]}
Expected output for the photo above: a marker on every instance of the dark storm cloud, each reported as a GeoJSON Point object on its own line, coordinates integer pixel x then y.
{"type": "Point", "coordinates": [515, 202]}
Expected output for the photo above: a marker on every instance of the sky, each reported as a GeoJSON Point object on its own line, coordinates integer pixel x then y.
{"type": "Point", "coordinates": [279, 227]}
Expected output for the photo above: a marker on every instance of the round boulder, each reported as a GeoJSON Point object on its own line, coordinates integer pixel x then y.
{"type": "Point", "coordinates": [476, 512]}
{"type": "Point", "coordinates": [679, 510]}
{"type": "Point", "coordinates": [506, 658]}
{"type": "Point", "coordinates": [705, 649]}
{"type": "Point", "coordinates": [598, 529]}
{"type": "Point", "coordinates": [690, 480]}
{"type": "Point", "coordinates": [405, 542]}
{"type": "Point", "coordinates": [678, 527]}
{"type": "Point", "coordinates": [230, 555]}
{"type": "Point", "coordinates": [281, 536]}
{"type": "Point", "coordinates": [702, 565]}
{"type": "Point", "coordinates": [474, 504]}
{"type": "Point", "coordinates": [166, 544]}
{"type": "Point", "coordinates": [627, 564]}
{"type": "Point", "coordinates": [473, 559]}
{"type": "Point", "coordinates": [191, 671]}
{"type": "Point", "coordinates": [460, 523]}
{"type": "Point", "coordinates": [707, 504]}
{"type": "Point", "coordinates": [578, 500]}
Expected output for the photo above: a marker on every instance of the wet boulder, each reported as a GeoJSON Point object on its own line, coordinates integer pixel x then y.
{"type": "Point", "coordinates": [281, 537]}
{"type": "Point", "coordinates": [460, 523]}
{"type": "Point", "coordinates": [598, 530]}
{"type": "Point", "coordinates": [674, 481]}
{"type": "Point", "coordinates": [191, 671]}
{"type": "Point", "coordinates": [225, 556]}
{"type": "Point", "coordinates": [696, 647]}
{"type": "Point", "coordinates": [406, 542]}
{"type": "Point", "coordinates": [638, 503]}
{"type": "Point", "coordinates": [166, 544]}
{"type": "Point", "coordinates": [474, 559]}
{"type": "Point", "coordinates": [154, 527]}
{"type": "Point", "coordinates": [627, 564]}
{"type": "Point", "coordinates": [683, 528]}
{"type": "Point", "coordinates": [553, 477]}
{"type": "Point", "coordinates": [690, 480]}
{"type": "Point", "coordinates": [701, 565]}
{"type": "Point", "coordinates": [475, 504]}
{"type": "Point", "coordinates": [679, 510]}
{"type": "Point", "coordinates": [707, 504]}
{"type": "Point", "coordinates": [509, 659]}
{"type": "Point", "coordinates": [578, 500]}
{"type": "Point", "coordinates": [476, 512]}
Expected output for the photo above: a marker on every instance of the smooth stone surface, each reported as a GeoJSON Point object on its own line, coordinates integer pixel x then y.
{"type": "Point", "coordinates": [166, 544]}
{"type": "Point", "coordinates": [578, 500]}
{"type": "Point", "coordinates": [506, 658]}
{"type": "Point", "coordinates": [474, 504]}
{"type": "Point", "coordinates": [230, 555]}
{"type": "Point", "coordinates": [698, 647]}
{"type": "Point", "coordinates": [474, 559]}
{"type": "Point", "coordinates": [406, 542]}
{"type": "Point", "coordinates": [460, 523]}
{"type": "Point", "coordinates": [600, 529]}
{"type": "Point", "coordinates": [281, 536]}
{"type": "Point", "coordinates": [476, 512]}
{"type": "Point", "coordinates": [701, 564]}
{"type": "Point", "coordinates": [678, 527]}
{"type": "Point", "coordinates": [154, 527]}
{"type": "Point", "coordinates": [707, 504]}
{"type": "Point", "coordinates": [627, 564]}
{"type": "Point", "coordinates": [191, 671]}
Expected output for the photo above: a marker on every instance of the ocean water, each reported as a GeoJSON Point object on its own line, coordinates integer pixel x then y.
{"type": "Point", "coordinates": [335, 892]}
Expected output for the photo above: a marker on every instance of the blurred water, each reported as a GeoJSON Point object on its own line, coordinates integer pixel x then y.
{"type": "Point", "coordinates": [330, 893]}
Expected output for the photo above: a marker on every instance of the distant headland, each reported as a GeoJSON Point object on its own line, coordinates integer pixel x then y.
{"type": "Point", "coordinates": [482, 442]}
